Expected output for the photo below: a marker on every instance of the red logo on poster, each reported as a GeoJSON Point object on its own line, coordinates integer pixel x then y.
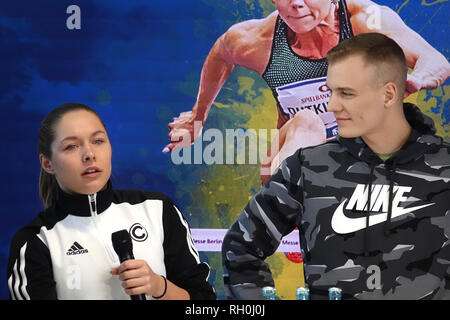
{"type": "Point", "coordinates": [295, 257]}
{"type": "Point", "coordinates": [324, 88]}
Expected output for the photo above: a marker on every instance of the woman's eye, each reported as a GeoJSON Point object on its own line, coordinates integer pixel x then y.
{"type": "Point", "coordinates": [98, 141]}
{"type": "Point", "coordinates": [70, 147]}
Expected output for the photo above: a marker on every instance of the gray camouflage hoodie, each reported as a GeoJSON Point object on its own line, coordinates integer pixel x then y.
{"type": "Point", "coordinates": [377, 230]}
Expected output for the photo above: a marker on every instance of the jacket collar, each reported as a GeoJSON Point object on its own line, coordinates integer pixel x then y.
{"type": "Point", "coordinates": [81, 204]}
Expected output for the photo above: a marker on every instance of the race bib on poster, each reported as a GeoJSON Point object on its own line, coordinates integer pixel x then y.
{"type": "Point", "coordinates": [312, 95]}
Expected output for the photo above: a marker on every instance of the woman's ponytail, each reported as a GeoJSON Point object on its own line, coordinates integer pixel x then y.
{"type": "Point", "coordinates": [48, 188]}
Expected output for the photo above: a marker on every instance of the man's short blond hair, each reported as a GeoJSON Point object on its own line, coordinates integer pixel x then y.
{"type": "Point", "coordinates": [378, 50]}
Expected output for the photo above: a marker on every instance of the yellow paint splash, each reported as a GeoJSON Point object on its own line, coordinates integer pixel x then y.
{"type": "Point", "coordinates": [267, 6]}
{"type": "Point", "coordinates": [286, 274]}
{"type": "Point", "coordinates": [425, 3]}
{"type": "Point", "coordinates": [221, 105]}
{"type": "Point", "coordinates": [425, 104]}
{"type": "Point", "coordinates": [403, 4]}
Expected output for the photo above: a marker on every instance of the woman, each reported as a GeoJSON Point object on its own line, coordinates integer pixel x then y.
{"type": "Point", "coordinates": [66, 251]}
{"type": "Point", "coordinates": [288, 49]}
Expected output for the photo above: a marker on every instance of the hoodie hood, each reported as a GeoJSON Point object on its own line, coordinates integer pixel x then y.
{"type": "Point", "coordinates": [422, 139]}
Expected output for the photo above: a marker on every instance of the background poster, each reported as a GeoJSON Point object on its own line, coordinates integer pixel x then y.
{"type": "Point", "coordinates": [138, 64]}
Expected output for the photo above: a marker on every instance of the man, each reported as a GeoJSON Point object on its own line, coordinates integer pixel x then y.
{"type": "Point", "coordinates": [288, 49]}
{"type": "Point", "coordinates": [372, 207]}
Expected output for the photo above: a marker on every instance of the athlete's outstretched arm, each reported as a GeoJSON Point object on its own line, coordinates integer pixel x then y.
{"type": "Point", "coordinates": [215, 71]}
{"type": "Point", "coordinates": [246, 44]}
{"type": "Point", "coordinates": [430, 67]}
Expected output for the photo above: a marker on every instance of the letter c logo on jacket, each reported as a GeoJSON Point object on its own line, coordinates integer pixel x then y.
{"type": "Point", "coordinates": [138, 232]}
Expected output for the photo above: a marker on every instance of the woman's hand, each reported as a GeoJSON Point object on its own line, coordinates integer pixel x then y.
{"type": "Point", "coordinates": [138, 278]}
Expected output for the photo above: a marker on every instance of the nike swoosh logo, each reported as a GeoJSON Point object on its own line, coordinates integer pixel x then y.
{"type": "Point", "coordinates": [342, 224]}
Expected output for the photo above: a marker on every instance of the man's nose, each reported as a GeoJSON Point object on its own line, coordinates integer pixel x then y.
{"type": "Point", "coordinates": [333, 105]}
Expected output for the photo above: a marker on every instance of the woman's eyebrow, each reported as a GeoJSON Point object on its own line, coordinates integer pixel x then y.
{"type": "Point", "coordinates": [97, 132]}
{"type": "Point", "coordinates": [74, 137]}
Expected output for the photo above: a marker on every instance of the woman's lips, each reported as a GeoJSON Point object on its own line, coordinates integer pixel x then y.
{"type": "Point", "coordinates": [300, 17]}
{"type": "Point", "coordinates": [91, 172]}
{"type": "Point", "coordinates": [92, 175]}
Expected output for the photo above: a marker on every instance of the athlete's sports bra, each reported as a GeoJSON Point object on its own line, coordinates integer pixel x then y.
{"type": "Point", "coordinates": [298, 82]}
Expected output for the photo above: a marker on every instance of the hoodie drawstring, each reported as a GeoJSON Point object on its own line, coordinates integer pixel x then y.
{"type": "Point", "coordinates": [390, 176]}
{"type": "Point", "coordinates": [366, 233]}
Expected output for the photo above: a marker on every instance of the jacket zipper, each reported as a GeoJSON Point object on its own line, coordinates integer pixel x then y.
{"type": "Point", "coordinates": [93, 207]}
{"type": "Point", "coordinates": [93, 204]}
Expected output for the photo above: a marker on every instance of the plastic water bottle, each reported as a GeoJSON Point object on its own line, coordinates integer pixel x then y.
{"type": "Point", "coordinates": [268, 293]}
{"type": "Point", "coordinates": [335, 293]}
{"type": "Point", "coordinates": [302, 293]}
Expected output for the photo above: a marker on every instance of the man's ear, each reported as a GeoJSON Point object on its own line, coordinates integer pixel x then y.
{"type": "Point", "coordinates": [46, 164]}
{"type": "Point", "coordinates": [390, 94]}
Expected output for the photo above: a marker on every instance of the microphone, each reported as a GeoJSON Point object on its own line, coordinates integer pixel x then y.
{"type": "Point", "coordinates": [123, 246]}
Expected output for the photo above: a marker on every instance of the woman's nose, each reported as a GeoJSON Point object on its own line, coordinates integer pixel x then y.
{"type": "Point", "coordinates": [295, 4]}
{"type": "Point", "coordinates": [88, 155]}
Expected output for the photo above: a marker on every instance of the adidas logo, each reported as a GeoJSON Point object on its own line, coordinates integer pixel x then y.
{"type": "Point", "coordinates": [76, 248]}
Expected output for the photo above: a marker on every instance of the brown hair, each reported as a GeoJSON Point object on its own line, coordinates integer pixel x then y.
{"type": "Point", "coordinates": [375, 48]}
{"type": "Point", "coordinates": [48, 186]}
